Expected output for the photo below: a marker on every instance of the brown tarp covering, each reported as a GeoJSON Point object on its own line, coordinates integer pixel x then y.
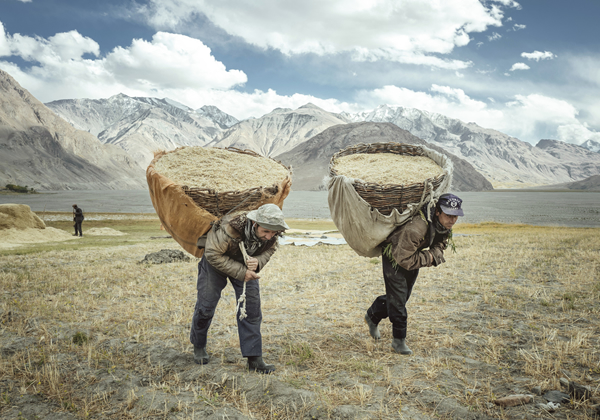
{"type": "Point", "coordinates": [181, 217]}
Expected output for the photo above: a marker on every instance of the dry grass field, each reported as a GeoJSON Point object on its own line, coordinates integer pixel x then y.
{"type": "Point", "coordinates": [88, 332]}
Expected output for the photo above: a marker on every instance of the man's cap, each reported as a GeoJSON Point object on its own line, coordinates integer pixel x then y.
{"type": "Point", "coordinates": [268, 216]}
{"type": "Point", "coordinates": [450, 204]}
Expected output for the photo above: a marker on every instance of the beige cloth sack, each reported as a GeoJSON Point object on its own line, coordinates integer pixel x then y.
{"type": "Point", "coordinates": [364, 227]}
{"type": "Point", "coordinates": [185, 220]}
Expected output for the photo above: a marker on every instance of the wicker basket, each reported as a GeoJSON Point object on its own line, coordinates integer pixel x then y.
{"type": "Point", "coordinates": [386, 197]}
{"type": "Point", "coordinates": [221, 203]}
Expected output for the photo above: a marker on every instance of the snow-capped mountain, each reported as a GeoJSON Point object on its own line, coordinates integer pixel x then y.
{"type": "Point", "coordinates": [279, 131]}
{"type": "Point", "coordinates": [142, 125]}
{"type": "Point", "coordinates": [592, 145]}
{"type": "Point", "coordinates": [43, 151]}
{"type": "Point", "coordinates": [506, 161]}
{"type": "Point", "coordinates": [310, 159]}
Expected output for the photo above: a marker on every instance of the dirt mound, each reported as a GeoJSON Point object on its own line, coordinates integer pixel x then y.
{"type": "Point", "coordinates": [165, 256]}
{"type": "Point", "coordinates": [105, 231]}
{"type": "Point", "coordinates": [19, 216]}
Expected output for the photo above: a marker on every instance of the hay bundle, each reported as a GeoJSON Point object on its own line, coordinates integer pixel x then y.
{"type": "Point", "coordinates": [191, 187]}
{"type": "Point", "coordinates": [374, 188]}
{"type": "Point", "coordinates": [391, 176]}
{"type": "Point", "coordinates": [19, 216]}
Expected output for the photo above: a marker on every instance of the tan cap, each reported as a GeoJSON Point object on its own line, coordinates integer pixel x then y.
{"type": "Point", "coordinates": [268, 216]}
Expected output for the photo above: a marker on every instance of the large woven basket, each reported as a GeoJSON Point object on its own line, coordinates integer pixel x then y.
{"type": "Point", "coordinates": [386, 197]}
{"type": "Point", "coordinates": [221, 203]}
{"type": "Point", "coordinates": [188, 213]}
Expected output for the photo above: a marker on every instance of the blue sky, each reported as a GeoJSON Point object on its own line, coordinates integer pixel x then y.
{"type": "Point", "coordinates": [530, 69]}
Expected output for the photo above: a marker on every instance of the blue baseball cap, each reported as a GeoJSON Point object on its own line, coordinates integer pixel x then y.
{"type": "Point", "coordinates": [450, 204]}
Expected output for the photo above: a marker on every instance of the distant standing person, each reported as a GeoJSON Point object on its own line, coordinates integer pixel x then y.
{"type": "Point", "coordinates": [77, 219]}
{"type": "Point", "coordinates": [417, 243]}
{"type": "Point", "coordinates": [258, 230]}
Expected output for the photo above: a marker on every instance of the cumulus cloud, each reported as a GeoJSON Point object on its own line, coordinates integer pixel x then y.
{"type": "Point", "coordinates": [519, 66]}
{"type": "Point", "coordinates": [410, 31]}
{"type": "Point", "coordinates": [518, 27]}
{"type": "Point", "coordinates": [538, 55]}
{"type": "Point", "coordinates": [167, 62]}
{"type": "Point", "coordinates": [577, 133]}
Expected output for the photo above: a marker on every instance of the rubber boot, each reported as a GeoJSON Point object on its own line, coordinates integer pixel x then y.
{"type": "Point", "coordinates": [200, 355]}
{"type": "Point", "coordinates": [257, 364]}
{"type": "Point", "coordinates": [399, 346]}
{"type": "Point", "coordinates": [373, 329]}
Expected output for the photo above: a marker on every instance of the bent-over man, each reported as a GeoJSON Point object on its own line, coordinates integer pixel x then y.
{"type": "Point", "coordinates": [259, 231]}
{"type": "Point", "coordinates": [417, 243]}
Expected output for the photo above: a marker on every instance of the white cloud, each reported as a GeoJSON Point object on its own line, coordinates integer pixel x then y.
{"type": "Point", "coordinates": [538, 55]}
{"type": "Point", "coordinates": [494, 36]}
{"type": "Point", "coordinates": [5, 49]}
{"type": "Point", "coordinates": [519, 66]}
{"type": "Point", "coordinates": [518, 27]}
{"type": "Point", "coordinates": [166, 63]}
{"type": "Point", "coordinates": [576, 133]}
{"type": "Point", "coordinates": [409, 31]}
{"type": "Point", "coordinates": [173, 61]}
{"type": "Point", "coordinates": [509, 3]}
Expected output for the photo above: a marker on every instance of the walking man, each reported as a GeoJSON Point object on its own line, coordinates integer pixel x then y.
{"type": "Point", "coordinates": [258, 231]}
{"type": "Point", "coordinates": [77, 219]}
{"type": "Point", "coordinates": [417, 243]}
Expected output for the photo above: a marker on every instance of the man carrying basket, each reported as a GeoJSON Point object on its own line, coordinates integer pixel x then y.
{"type": "Point", "coordinates": [417, 243]}
{"type": "Point", "coordinates": [254, 233]}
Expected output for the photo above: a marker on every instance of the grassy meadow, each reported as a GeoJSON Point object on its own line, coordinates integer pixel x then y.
{"type": "Point", "coordinates": [88, 332]}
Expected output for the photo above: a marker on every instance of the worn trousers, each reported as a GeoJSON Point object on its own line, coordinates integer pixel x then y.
{"type": "Point", "coordinates": [77, 225]}
{"type": "Point", "coordinates": [209, 286]}
{"type": "Point", "coordinates": [398, 287]}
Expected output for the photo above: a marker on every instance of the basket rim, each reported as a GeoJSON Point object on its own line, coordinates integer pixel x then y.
{"type": "Point", "coordinates": [210, 191]}
{"type": "Point", "coordinates": [333, 172]}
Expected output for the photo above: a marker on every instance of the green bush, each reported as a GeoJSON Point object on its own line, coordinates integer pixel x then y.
{"type": "Point", "coordinates": [18, 188]}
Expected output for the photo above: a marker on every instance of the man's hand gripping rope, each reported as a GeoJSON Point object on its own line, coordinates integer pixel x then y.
{"type": "Point", "coordinates": [252, 265]}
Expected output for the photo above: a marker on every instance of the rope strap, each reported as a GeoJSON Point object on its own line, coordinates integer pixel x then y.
{"type": "Point", "coordinates": [241, 303]}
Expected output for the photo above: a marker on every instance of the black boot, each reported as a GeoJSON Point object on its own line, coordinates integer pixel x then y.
{"type": "Point", "coordinates": [200, 355]}
{"type": "Point", "coordinates": [257, 364]}
{"type": "Point", "coordinates": [399, 346]}
{"type": "Point", "coordinates": [373, 329]}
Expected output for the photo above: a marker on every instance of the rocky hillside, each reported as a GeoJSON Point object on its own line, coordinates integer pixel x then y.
{"type": "Point", "coordinates": [506, 161]}
{"type": "Point", "coordinates": [310, 159]}
{"type": "Point", "coordinates": [141, 125]}
{"type": "Point", "coordinates": [41, 150]}
{"type": "Point", "coordinates": [279, 131]}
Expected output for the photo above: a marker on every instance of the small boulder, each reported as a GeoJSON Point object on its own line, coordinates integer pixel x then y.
{"type": "Point", "coordinates": [557, 397]}
{"type": "Point", "coordinates": [580, 392]}
{"type": "Point", "coordinates": [513, 400]}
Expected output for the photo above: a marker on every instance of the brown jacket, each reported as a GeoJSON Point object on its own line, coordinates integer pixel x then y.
{"type": "Point", "coordinates": [223, 251]}
{"type": "Point", "coordinates": [410, 240]}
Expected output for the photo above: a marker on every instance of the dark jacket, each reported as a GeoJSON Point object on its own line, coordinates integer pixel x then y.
{"type": "Point", "coordinates": [409, 243]}
{"type": "Point", "coordinates": [77, 215]}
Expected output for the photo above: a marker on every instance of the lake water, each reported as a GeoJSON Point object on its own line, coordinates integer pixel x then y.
{"type": "Point", "coordinates": [575, 209]}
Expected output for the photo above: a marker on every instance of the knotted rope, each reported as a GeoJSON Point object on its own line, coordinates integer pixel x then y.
{"type": "Point", "coordinates": [241, 303]}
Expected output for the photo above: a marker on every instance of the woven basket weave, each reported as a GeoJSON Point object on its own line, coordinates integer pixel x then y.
{"type": "Point", "coordinates": [221, 203]}
{"type": "Point", "coordinates": [386, 197]}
